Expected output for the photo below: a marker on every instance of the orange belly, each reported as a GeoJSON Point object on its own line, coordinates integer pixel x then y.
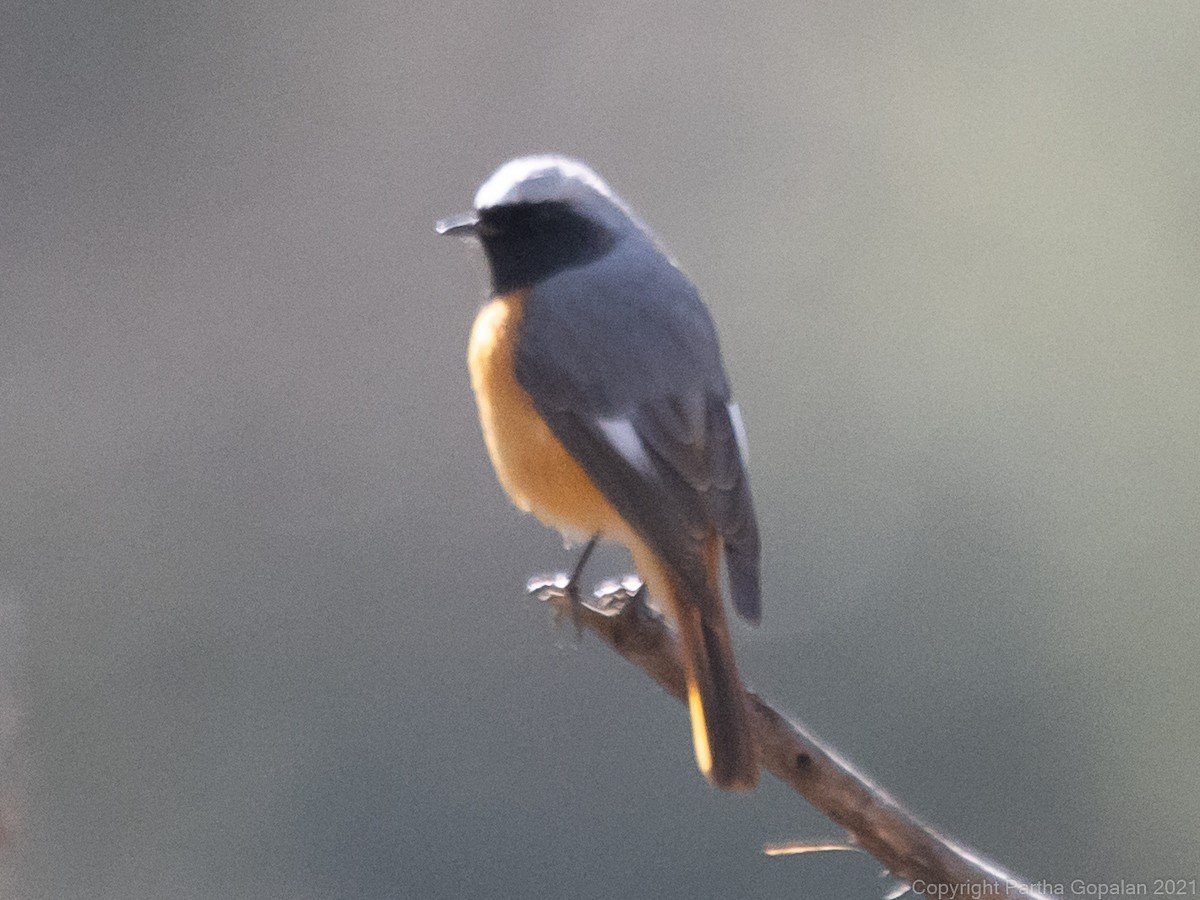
{"type": "Point", "coordinates": [532, 465]}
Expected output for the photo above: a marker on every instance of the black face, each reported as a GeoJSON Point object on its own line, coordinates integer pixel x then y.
{"type": "Point", "coordinates": [526, 242]}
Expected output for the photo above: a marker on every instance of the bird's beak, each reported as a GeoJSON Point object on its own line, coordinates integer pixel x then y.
{"type": "Point", "coordinates": [465, 225]}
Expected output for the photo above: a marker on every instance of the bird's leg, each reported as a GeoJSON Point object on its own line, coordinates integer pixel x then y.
{"type": "Point", "coordinates": [572, 588]}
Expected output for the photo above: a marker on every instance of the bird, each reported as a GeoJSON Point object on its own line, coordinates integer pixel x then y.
{"type": "Point", "coordinates": [607, 414]}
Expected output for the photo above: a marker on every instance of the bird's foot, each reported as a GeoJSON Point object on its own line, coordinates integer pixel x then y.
{"type": "Point", "coordinates": [610, 598]}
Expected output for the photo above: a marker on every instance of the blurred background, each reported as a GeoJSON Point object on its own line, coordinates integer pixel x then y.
{"type": "Point", "coordinates": [262, 625]}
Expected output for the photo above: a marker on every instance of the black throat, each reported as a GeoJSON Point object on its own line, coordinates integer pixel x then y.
{"type": "Point", "coordinates": [527, 242]}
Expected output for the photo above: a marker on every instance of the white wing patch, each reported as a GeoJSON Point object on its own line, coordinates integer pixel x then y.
{"type": "Point", "coordinates": [624, 438]}
{"type": "Point", "coordinates": [739, 432]}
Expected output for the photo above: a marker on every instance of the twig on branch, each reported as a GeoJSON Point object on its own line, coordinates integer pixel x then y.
{"type": "Point", "coordinates": [910, 850]}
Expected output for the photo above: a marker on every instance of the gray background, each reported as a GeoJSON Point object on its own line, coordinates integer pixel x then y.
{"type": "Point", "coordinates": [263, 632]}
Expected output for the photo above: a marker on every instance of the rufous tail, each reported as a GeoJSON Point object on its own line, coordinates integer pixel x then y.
{"type": "Point", "coordinates": [721, 733]}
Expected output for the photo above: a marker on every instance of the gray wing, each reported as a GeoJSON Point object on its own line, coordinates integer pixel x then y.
{"type": "Point", "coordinates": [621, 359]}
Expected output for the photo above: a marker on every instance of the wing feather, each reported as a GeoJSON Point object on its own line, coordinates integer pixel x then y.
{"type": "Point", "coordinates": [621, 359]}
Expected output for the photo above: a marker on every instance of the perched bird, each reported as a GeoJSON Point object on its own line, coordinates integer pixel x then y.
{"type": "Point", "coordinates": [607, 414]}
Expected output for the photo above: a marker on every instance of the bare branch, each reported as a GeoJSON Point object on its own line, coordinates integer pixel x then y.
{"type": "Point", "coordinates": [877, 823]}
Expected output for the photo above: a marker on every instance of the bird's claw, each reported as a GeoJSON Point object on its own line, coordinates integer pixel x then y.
{"type": "Point", "coordinates": [610, 598]}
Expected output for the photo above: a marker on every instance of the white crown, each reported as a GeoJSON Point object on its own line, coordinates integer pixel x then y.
{"type": "Point", "coordinates": [534, 179]}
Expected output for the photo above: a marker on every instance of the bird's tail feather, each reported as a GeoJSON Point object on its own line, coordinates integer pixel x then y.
{"type": "Point", "coordinates": [722, 735]}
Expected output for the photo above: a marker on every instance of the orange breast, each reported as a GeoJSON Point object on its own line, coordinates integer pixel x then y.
{"type": "Point", "coordinates": [534, 468]}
